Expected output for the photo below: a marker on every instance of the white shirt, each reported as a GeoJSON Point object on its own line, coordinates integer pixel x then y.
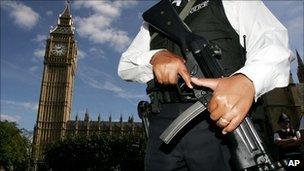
{"type": "Point", "coordinates": [267, 64]}
{"type": "Point", "coordinates": [301, 127]}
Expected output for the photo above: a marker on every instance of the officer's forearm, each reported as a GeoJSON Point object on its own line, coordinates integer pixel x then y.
{"type": "Point", "coordinates": [285, 143]}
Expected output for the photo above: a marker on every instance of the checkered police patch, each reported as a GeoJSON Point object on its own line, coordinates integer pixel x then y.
{"type": "Point", "coordinates": [199, 6]}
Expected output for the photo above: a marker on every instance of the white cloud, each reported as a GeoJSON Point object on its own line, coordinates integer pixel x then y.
{"type": "Point", "coordinates": [39, 53]}
{"type": "Point", "coordinates": [97, 52]}
{"type": "Point", "coordinates": [103, 7]}
{"type": "Point", "coordinates": [98, 27]}
{"type": "Point", "coordinates": [10, 118]}
{"type": "Point", "coordinates": [23, 16]}
{"type": "Point", "coordinates": [81, 54]}
{"type": "Point", "coordinates": [20, 105]}
{"type": "Point", "coordinates": [92, 53]}
{"type": "Point", "coordinates": [18, 73]}
{"type": "Point", "coordinates": [49, 13]}
{"type": "Point", "coordinates": [39, 38]}
{"type": "Point", "coordinates": [103, 81]}
{"type": "Point", "coordinates": [33, 68]}
{"type": "Point", "coordinates": [112, 9]}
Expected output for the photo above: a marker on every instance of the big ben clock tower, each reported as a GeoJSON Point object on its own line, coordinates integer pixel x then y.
{"type": "Point", "coordinates": [57, 84]}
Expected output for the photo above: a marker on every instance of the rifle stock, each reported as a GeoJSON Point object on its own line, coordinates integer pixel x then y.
{"type": "Point", "coordinates": [246, 147]}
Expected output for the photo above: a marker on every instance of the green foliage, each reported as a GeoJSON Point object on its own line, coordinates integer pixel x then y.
{"type": "Point", "coordinates": [98, 152]}
{"type": "Point", "coordinates": [14, 148]}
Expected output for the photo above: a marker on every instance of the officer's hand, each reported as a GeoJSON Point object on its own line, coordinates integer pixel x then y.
{"type": "Point", "coordinates": [295, 138]}
{"type": "Point", "coordinates": [167, 66]}
{"type": "Point", "coordinates": [231, 101]}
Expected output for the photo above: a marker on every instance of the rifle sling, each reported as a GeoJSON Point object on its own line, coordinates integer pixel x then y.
{"type": "Point", "coordinates": [183, 14]}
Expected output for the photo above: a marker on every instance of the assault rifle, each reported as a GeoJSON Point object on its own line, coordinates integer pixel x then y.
{"type": "Point", "coordinates": [247, 149]}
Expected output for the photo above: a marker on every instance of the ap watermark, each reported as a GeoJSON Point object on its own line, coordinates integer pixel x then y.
{"type": "Point", "coordinates": [293, 163]}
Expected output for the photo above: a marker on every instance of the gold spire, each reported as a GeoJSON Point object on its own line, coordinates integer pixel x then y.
{"type": "Point", "coordinates": [300, 62]}
{"type": "Point", "coordinates": [67, 11]}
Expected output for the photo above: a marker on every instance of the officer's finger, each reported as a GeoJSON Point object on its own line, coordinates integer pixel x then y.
{"type": "Point", "coordinates": [216, 114]}
{"type": "Point", "coordinates": [158, 76]}
{"type": "Point", "coordinates": [165, 74]}
{"type": "Point", "coordinates": [165, 79]}
{"type": "Point", "coordinates": [212, 105]}
{"type": "Point", "coordinates": [234, 123]}
{"type": "Point", "coordinates": [222, 122]}
{"type": "Point", "coordinates": [186, 76]}
{"type": "Point", "coordinates": [225, 119]}
{"type": "Point", "coordinates": [184, 61]}
{"type": "Point", "coordinates": [206, 82]}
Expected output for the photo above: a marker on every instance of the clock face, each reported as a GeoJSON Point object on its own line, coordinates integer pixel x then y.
{"type": "Point", "coordinates": [59, 49]}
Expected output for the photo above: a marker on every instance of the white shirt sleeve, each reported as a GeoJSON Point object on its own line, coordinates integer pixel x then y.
{"type": "Point", "coordinates": [134, 64]}
{"type": "Point", "coordinates": [267, 63]}
{"type": "Point", "coordinates": [276, 137]}
{"type": "Point", "coordinates": [298, 134]}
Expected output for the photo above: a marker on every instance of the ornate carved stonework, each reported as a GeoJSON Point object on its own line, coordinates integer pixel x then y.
{"type": "Point", "coordinates": [57, 84]}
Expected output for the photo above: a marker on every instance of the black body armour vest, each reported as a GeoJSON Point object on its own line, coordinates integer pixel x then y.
{"type": "Point", "coordinates": [212, 23]}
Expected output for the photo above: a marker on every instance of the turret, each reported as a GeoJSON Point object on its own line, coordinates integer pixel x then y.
{"type": "Point", "coordinates": [110, 118]}
{"type": "Point", "coordinates": [300, 72]}
{"type": "Point", "coordinates": [291, 81]}
{"type": "Point", "coordinates": [120, 118]}
{"type": "Point", "coordinates": [121, 125]}
{"type": "Point", "coordinates": [132, 119]}
{"type": "Point", "coordinates": [65, 22]}
{"type": "Point", "coordinates": [99, 119]}
{"type": "Point", "coordinates": [76, 117]}
{"type": "Point", "coordinates": [86, 116]}
{"type": "Point", "coordinates": [110, 124]}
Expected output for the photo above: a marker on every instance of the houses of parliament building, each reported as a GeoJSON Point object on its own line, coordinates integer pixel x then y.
{"type": "Point", "coordinates": [54, 112]}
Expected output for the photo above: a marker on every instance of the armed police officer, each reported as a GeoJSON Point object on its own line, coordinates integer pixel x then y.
{"type": "Point", "coordinates": [201, 146]}
{"type": "Point", "coordinates": [288, 139]}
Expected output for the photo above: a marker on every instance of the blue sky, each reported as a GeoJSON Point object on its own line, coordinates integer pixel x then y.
{"type": "Point", "coordinates": [25, 26]}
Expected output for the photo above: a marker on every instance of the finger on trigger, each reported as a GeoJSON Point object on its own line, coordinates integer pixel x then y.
{"type": "Point", "coordinates": [206, 82]}
{"type": "Point", "coordinates": [186, 76]}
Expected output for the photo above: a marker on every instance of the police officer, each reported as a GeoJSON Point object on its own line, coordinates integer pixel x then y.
{"type": "Point", "coordinates": [287, 139]}
{"type": "Point", "coordinates": [201, 145]}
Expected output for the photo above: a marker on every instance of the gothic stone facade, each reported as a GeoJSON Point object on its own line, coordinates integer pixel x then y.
{"type": "Point", "coordinates": [288, 100]}
{"type": "Point", "coordinates": [88, 127]}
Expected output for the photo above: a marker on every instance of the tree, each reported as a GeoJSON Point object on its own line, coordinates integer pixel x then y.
{"type": "Point", "coordinates": [98, 152]}
{"type": "Point", "coordinates": [14, 148]}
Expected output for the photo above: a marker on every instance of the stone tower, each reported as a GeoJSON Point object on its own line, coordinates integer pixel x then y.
{"type": "Point", "coordinates": [300, 68]}
{"type": "Point", "coordinates": [57, 84]}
